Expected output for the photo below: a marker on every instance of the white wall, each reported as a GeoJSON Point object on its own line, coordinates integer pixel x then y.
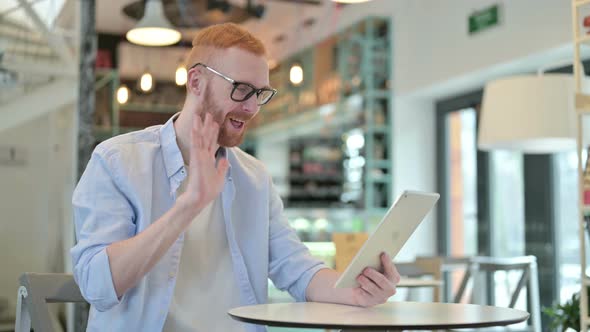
{"type": "Point", "coordinates": [431, 44]}
{"type": "Point", "coordinates": [414, 164]}
{"type": "Point", "coordinates": [437, 47]}
{"type": "Point", "coordinates": [434, 58]}
{"type": "Point", "coordinates": [35, 199]}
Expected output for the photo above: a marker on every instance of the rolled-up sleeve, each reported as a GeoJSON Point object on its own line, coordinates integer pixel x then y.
{"type": "Point", "coordinates": [291, 264]}
{"type": "Point", "coordinates": [102, 215]}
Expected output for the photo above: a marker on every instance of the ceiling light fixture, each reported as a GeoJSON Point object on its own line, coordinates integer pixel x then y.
{"type": "Point", "coordinates": [153, 29]}
{"type": "Point", "coordinates": [146, 82]}
{"type": "Point", "coordinates": [296, 74]}
{"type": "Point", "coordinates": [122, 94]}
{"type": "Point", "coordinates": [181, 75]}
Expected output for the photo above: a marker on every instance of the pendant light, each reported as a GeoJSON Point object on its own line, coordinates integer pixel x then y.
{"type": "Point", "coordinates": [181, 75]}
{"type": "Point", "coordinates": [153, 29]}
{"type": "Point", "coordinates": [122, 94]}
{"type": "Point", "coordinates": [296, 74]}
{"type": "Point", "coordinates": [296, 71]}
{"type": "Point", "coordinates": [146, 82]}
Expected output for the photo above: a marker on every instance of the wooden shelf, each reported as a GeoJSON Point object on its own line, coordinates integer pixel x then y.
{"type": "Point", "coordinates": [156, 108]}
{"type": "Point", "coordinates": [580, 3]}
{"type": "Point", "coordinates": [583, 103]}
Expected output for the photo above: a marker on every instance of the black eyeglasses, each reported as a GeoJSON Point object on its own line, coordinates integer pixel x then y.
{"type": "Point", "coordinates": [242, 91]}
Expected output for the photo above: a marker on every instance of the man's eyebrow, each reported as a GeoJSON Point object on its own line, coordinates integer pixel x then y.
{"type": "Point", "coordinates": [254, 85]}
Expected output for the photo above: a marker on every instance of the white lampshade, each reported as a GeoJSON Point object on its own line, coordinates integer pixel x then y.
{"type": "Point", "coordinates": [531, 114]}
{"type": "Point", "coordinates": [153, 29]}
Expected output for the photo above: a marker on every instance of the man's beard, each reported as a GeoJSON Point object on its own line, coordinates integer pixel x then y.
{"type": "Point", "coordinates": [224, 138]}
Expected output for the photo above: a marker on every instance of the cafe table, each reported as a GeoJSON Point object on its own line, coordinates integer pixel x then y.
{"type": "Point", "coordinates": [391, 316]}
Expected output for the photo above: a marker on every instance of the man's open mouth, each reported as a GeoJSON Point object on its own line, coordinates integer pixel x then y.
{"type": "Point", "coordinates": [236, 123]}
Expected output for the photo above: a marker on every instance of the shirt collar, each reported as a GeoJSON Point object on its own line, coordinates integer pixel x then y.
{"type": "Point", "coordinates": [171, 152]}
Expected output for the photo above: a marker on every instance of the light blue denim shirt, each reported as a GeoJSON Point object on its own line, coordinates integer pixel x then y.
{"type": "Point", "coordinates": [131, 181]}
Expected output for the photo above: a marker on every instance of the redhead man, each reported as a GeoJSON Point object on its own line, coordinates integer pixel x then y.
{"type": "Point", "coordinates": [176, 225]}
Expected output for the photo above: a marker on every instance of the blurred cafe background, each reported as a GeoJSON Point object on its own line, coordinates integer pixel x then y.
{"type": "Point", "coordinates": [375, 97]}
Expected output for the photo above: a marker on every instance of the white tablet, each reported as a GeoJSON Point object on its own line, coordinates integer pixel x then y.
{"type": "Point", "coordinates": [391, 234]}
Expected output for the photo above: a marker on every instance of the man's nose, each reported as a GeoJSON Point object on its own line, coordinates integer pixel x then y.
{"type": "Point", "coordinates": [250, 105]}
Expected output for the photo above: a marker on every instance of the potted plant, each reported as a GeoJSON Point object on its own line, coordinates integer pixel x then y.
{"type": "Point", "coordinates": [567, 315]}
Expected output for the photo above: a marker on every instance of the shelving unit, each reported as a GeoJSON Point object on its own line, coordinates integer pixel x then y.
{"type": "Point", "coordinates": [582, 102]}
{"type": "Point", "coordinates": [315, 172]}
{"type": "Point", "coordinates": [358, 62]}
{"type": "Point", "coordinates": [364, 66]}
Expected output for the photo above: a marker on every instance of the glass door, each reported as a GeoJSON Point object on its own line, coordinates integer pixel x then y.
{"type": "Point", "coordinates": [462, 166]}
{"type": "Point", "coordinates": [481, 210]}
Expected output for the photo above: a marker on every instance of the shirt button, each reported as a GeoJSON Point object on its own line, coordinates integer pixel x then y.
{"type": "Point", "coordinates": [171, 275]}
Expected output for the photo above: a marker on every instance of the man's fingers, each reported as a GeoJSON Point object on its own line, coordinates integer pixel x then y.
{"type": "Point", "coordinates": [365, 299]}
{"type": "Point", "coordinates": [213, 136]}
{"type": "Point", "coordinates": [368, 285]}
{"type": "Point", "coordinates": [388, 269]}
{"type": "Point", "coordinates": [195, 139]}
{"type": "Point", "coordinates": [222, 166]}
{"type": "Point", "coordinates": [379, 279]}
{"type": "Point", "coordinates": [209, 131]}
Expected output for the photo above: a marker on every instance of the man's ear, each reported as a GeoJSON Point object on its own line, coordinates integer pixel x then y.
{"type": "Point", "coordinates": [195, 81]}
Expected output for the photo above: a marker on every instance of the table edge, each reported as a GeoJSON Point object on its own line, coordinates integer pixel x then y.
{"type": "Point", "coordinates": [378, 327]}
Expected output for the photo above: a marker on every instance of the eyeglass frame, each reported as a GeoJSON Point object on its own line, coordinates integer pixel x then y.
{"type": "Point", "coordinates": [235, 84]}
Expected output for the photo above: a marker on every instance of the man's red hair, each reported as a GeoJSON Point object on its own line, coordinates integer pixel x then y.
{"type": "Point", "coordinates": [220, 37]}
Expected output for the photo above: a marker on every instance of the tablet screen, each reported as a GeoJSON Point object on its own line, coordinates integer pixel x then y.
{"type": "Point", "coordinates": [394, 230]}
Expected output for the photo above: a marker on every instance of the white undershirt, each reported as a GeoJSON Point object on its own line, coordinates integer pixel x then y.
{"type": "Point", "coordinates": [206, 287]}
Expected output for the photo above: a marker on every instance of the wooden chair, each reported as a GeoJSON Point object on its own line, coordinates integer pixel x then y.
{"type": "Point", "coordinates": [442, 267]}
{"type": "Point", "coordinates": [423, 267]}
{"type": "Point", "coordinates": [527, 265]}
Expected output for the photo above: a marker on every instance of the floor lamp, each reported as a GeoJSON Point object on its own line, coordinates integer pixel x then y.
{"type": "Point", "coordinates": [531, 114]}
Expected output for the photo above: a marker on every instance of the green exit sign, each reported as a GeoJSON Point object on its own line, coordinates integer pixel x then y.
{"type": "Point", "coordinates": [484, 19]}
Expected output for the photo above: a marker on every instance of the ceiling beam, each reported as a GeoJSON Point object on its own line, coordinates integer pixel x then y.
{"type": "Point", "coordinates": [57, 42]}
{"type": "Point", "coordinates": [49, 98]}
